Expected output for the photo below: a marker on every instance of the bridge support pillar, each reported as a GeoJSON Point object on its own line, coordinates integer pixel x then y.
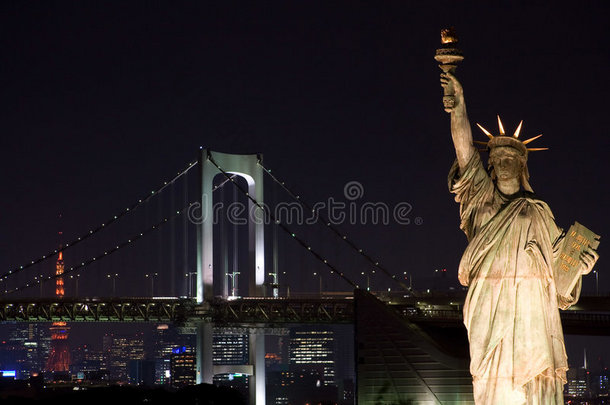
{"type": "Point", "coordinates": [246, 166]}
{"type": "Point", "coordinates": [257, 359]}
{"type": "Point", "coordinates": [204, 353]}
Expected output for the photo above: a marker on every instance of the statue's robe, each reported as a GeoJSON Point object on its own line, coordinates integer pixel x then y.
{"type": "Point", "coordinates": [511, 311]}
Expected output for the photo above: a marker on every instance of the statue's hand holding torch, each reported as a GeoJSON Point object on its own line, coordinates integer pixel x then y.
{"type": "Point", "coordinates": [453, 92]}
{"type": "Point", "coordinates": [449, 55]}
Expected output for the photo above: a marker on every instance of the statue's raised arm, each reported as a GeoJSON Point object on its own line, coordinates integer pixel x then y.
{"type": "Point", "coordinates": [460, 126]}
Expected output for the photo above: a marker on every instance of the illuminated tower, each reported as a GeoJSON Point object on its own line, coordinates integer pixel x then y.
{"type": "Point", "coordinates": [59, 357]}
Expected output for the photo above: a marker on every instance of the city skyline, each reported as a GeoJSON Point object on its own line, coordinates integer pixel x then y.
{"type": "Point", "coordinates": [123, 357]}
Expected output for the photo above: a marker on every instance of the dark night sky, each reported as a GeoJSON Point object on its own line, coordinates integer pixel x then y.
{"type": "Point", "coordinates": [102, 101]}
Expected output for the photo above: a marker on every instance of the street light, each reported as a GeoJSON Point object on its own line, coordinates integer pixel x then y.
{"type": "Point", "coordinates": [320, 276]}
{"type": "Point", "coordinates": [287, 287]}
{"type": "Point", "coordinates": [596, 282]}
{"type": "Point", "coordinates": [275, 286]}
{"type": "Point", "coordinates": [113, 277]}
{"type": "Point", "coordinates": [152, 282]}
{"type": "Point", "coordinates": [410, 278]}
{"type": "Point", "coordinates": [233, 282]}
{"type": "Point", "coordinates": [368, 287]}
{"type": "Point", "coordinates": [190, 289]}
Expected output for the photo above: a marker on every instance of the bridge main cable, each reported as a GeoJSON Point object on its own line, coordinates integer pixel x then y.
{"type": "Point", "coordinates": [324, 221]}
{"type": "Point", "coordinates": [92, 232]}
{"type": "Point", "coordinates": [332, 268]}
{"type": "Point", "coordinates": [100, 256]}
{"type": "Point", "coordinates": [108, 252]}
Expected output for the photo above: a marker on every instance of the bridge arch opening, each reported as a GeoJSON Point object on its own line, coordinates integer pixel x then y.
{"type": "Point", "coordinates": [231, 237]}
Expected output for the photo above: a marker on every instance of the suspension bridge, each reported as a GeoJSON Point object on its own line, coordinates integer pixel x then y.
{"type": "Point", "coordinates": [236, 283]}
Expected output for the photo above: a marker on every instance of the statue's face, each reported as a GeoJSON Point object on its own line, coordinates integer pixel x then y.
{"type": "Point", "coordinates": [507, 162]}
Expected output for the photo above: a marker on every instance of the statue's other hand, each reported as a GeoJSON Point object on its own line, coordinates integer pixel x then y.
{"type": "Point", "coordinates": [588, 258]}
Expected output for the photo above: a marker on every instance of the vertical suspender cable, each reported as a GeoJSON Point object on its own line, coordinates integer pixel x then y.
{"type": "Point", "coordinates": [224, 249]}
{"type": "Point", "coordinates": [160, 253]}
{"type": "Point", "coordinates": [185, 239]}
{"type": "Point", "coordinates": [172, 245]}
{"type": "Point", "coordinates": [276, 278]}
{"type": "Point", "coordinates": [235, 270]}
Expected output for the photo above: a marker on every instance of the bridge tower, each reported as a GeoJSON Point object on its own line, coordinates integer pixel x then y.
{"type": "Point", "coordinates": [247, 167]}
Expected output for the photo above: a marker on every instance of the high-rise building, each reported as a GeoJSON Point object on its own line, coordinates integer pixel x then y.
{"type": "Point", "coordinates": [164, 343]}
{"type": "Point", "coordinates": [168, 338]}
{"type": "Point", "coordinates": [89, 363]}
{"type": "Point", "coordinates": [279, 385]}
{"type": "Point", "coordinates": [120, 350]}
{"type": "Point", "coordinates": [579, 380]}
{"type": "Point", "coordinates": [279, 377]}
{"type": "Point", "coordinates": [230, 349]}
{"type": "Point", "coordinates": [183, 367]}
{"type": "Point", "coordinates": [578, 383]}
{"type": "Point", "coordinates": [312, 361]}
{"type": "Point", "coordinates": [32, 342]}
{"type": "Point", "coordinates": [77, 357]}
{"type": "Point", "coordinates": [29, 347]}
{"type": "Point", "coordinates": [600, 383]}
{"type": "Point", "coordinates": [314, 349]}
{"type": "Point", "coordinates": [11, 356]}
{"type": "Point", "coordinates": [38, 346]}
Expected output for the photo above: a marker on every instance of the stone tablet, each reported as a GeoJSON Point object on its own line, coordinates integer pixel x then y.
{"type": "Point", "coordinates": [568, 265]}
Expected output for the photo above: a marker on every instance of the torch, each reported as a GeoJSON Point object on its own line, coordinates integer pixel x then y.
{"type": "Point", "coordinates": [448, 55]}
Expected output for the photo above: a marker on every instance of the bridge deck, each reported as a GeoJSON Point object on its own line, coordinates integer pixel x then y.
{"type": "Point", "coordinates": [591, 316]}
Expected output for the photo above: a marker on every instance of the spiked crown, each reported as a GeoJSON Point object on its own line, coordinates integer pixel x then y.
{"type": "Point", "coordinates": [505, 140]}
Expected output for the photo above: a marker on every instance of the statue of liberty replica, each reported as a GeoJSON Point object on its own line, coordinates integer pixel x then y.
{"type": "Point", "coordinates": [519, 266]}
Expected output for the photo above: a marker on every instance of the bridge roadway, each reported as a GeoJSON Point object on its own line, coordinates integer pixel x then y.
{"type": "Point", "coordinates": [590, 316]}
